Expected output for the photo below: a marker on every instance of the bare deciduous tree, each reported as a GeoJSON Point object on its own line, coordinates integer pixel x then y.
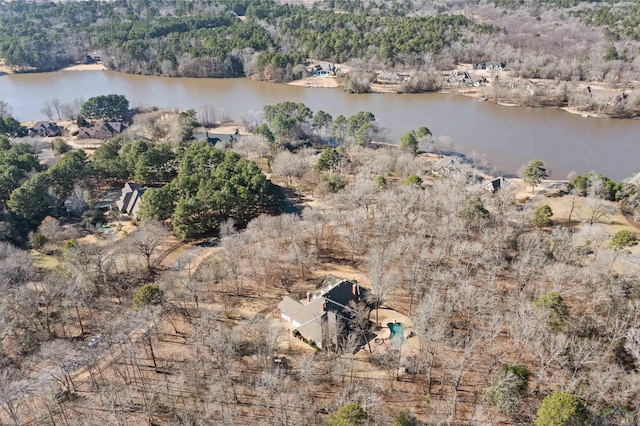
{"type": "Point", "coordinates": [5, 109]}
{"type": "Point", "coordinates": [47, 110]}
{"type": "Point", "coordinates": [55, 103]}
{"type": "Point", "coordinates": [147, 239]}
{"type": "Point", "coordinates": [597, 209]}
{"type": "Point", "coordinates": [289, 166]}
{"type": "Point", "coordinates": [16, 266]}
{"type": "Point", "coordinates": [632, 343]}
{"type": "Point", "coordinates": [15, 388]}
{"type": "Point", "coordinates": [383, 280]}
{"type": "Point", "coordinates": [207, 115]}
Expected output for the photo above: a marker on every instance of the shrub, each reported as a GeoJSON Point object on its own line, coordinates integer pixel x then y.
{"type": "Point", "coordinates": [561, 408]}
{"type": "Point", "coordinates": [556, 309]}
{"type": "Point", "coordinates": [623, 239]}
{"type": "Point", "coordinates": [380, 182]}
{"type": "Point", "coordinates": [349, 414]}
{"type": "Point", "coordinates": [405, 418]}
{"type": "Point", "coordinates": [92, 217]}
{"type": "Point", "coordinates": [39, 240]}
{"type": "Point", "coordinates": [333, 182]}
{"type": "Point", "coordinates": [542, 217]}
{"type": "Point", "coordinates": [60, 146]}
{"type": "Point", "coordinates": [69, 245]}
{"type": "Point", "coordinates": [147, 295]}
{"type": "Point", "coordinates": [413, 180]}
{"type": "Point", "coordinates": [506, 392]}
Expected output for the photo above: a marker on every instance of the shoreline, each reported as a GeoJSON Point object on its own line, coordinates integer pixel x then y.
{"type": "Point", "coordinates": [4, 70]}
{"type": "Point", "coordinates": [86, 67]}
{"type": "Point", "coordinates": [331, 82]}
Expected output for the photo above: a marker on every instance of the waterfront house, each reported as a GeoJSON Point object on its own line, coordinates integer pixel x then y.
{"type": "Point", "coordinates": [446, 165]}
{"type": "Point", "coordinates": [104, 130]}
{"type": "Point", "coordinates": [490, 66]}
{"type": "Point", "coordinates": [45, 129]}
{"type": "Point", "coordinates": [389, 78]}
{"type": "Point", "coordinates": [214, 138]}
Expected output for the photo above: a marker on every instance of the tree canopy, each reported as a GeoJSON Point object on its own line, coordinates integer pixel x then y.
{"type": "Point", "coordinates": [31, 201]}
{"type": "Point", "coordinates": [409, 142]}
{"type": "Point", "coordinates": [105, 106]}
{"type": "Point", "coordinates": [534, 173]}
{"type": "Point", "coordinates": [16, 162]}
{"type": "Point", "coordinates": [211, 186]}
{"type": "Point", "coordinates": [147, 295]}
{"type": "Point", "coordinates": [561, 408]}
{"type": "Point", "coordinates": [9, 126]}
{"type": "Point", "coordinates": [285, 117]}
{"type": "Point", "coordinates": [508, 388]}
{"type": "Point", "coordinates": [542, 216]}
{"type": "Point", "coordinates": [349, 414]}
{"type": "Point", "coordinates": [155, 37]}
{"type": "Point", "coordinates": [600, 185]}
{"type": "Point", "coordinates": [623, 239]}
{"type": "Point", "coordinates": [330, 159]}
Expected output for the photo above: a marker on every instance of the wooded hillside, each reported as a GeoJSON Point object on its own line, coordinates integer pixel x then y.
{"type": "Point", "coordinates": [518, 307]}
{"type": "Point", "coordinates": [264, 38]}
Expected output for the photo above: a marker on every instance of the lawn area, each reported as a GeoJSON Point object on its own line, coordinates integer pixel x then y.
{"type": "Point", "coordinates": [43, 260]}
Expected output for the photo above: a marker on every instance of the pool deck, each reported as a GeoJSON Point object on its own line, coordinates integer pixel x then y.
{"type": "Point", "coordinates": [389, 315]}
{"type": "Point", "coordinates": [381, 341]}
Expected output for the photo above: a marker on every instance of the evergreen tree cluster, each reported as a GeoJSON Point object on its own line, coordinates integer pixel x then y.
{"type": "Point", "coordinates": [208, 39]}
{"type": "Point", "coordinates": [212, 186]}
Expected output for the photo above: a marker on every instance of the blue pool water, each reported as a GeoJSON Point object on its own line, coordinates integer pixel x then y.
{"type": "Point", "coordinates": [397, 334]}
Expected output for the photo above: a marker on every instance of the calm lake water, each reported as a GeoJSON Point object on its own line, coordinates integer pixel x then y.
{"type": "Point", "coordinates": [510, 136]}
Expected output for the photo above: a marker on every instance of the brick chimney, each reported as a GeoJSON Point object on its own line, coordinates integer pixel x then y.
{"type": "Point", "coordinates": [355, 289]}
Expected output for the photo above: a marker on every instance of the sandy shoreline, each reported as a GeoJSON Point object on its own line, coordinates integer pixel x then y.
{"type": "Point", "coordinates": [86, 67]}
{"type": "Point", "coordinates": [482, 94]}
{"type": "Point", "coordinates": [328, 82]}
{"type": "Point", "coordinates": [78, 67]}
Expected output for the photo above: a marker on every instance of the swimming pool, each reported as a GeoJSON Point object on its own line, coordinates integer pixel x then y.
{"type": "Point", "coordinates": [397, 334]}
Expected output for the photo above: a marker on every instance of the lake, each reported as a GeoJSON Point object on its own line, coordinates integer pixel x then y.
{"type": "Point", "coordinates": [510, 136]}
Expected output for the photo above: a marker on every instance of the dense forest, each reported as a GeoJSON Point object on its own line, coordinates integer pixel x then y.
{"type": "Point", "coordinates": [571, 46]}
{"type": "Point", "coordinates": [521, 306]}
{"type": "Point", "coordinates": [208, 39]}
{"type": "Point", "coordinates": [267, 38]}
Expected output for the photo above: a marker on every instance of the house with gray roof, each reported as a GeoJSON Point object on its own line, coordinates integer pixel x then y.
{"type": "Point", "coordinates": [491, 65]}
{"type": "Point", "coordinates": [323, 310]}
{"type": "Point", "coordinates": [446, 165]}
{"type": "Point", "coordinates": [389, 78]}
{"type": "Point", "coordinates": [214, 138]}
{"type": "Point", "coordinates": [45, 129]}
{"type": "Point", "coordinates": [104, 130]}
{"type": "Point", "coordinates": [130, 198]}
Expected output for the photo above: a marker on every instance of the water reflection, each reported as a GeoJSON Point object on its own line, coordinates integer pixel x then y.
{"type": "Point", "coordinates": [510, 136]}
